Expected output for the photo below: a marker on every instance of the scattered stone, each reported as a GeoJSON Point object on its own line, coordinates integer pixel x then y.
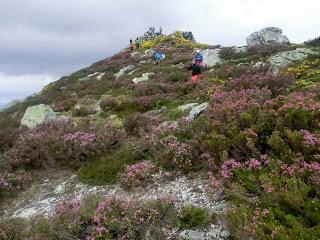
{"type": "Point", "coordinates": [191, 235]}
{"type": "Point", "coordinates": [60, 189]}
{"type": "Point", "coordinates": [241, 49]}
{"type": "Point", "coordinates": [135, 54]}
{"type": "Point", "coordinates": [225, 233]}
{"type": "Point", "coordinates": [133, 71]}
{"type": "Point", "coordinates": [168, 123]}
{"type": "Point", "coordinates": [197, 110]}
{"type": "Point", "coordinates": [187, 107]}
{"type": "Point", "coordinates": [214, 231]}
{"type": "Point", "coordinates": [243, 65]}
{"type": "Point", "coordinates": [287, 58]}
{"type": "Point", "coordinates": [145, 77]}
{"type": "Point", "coordinates": [180, 65]}
{"type": "Point", "coordinates": [123, 71]}
{"type": "Point", "coordinates": [269, 35]}
{"type": "Point", "coordinates": [149, 53]}
{"type": "Point", "coordinates": [100, 76]}
{"type": "Point", "coordinates": [144, 62]}
{"type": "Point", "coordinates": [116, 121]}
{"type": "Point", "coordinates": [157, 111]}
{"type": "Point", "coordinates": [36, 115]}
{"type": "Point", "coordinates": [92, 75]}
{"type": "Point", "coordinates": [211, 57]}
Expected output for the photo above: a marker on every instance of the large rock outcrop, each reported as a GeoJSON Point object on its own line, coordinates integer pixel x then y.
{"type": "Point", "coordinates": [287, 58]}
{"type": "Point", "coordinates": [36, 115]}
{"type": "Point", "coordinates": [211, 57]}
{"type": "Point", "coordinates": [269, 35]}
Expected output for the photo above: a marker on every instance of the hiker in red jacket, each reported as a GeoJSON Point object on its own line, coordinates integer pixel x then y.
{"type": "Point", "coordinates": [196, 71]}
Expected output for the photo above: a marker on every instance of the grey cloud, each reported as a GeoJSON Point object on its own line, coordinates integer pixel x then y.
{"type": "Point", "coordinates": [58, 37]}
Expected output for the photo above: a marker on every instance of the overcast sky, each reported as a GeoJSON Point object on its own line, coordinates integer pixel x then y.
{"type": "Point", "coordinates": [42, 40]}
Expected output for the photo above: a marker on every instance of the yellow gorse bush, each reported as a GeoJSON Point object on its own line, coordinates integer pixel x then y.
{"type": "Point", "coordinates": [175, 39]}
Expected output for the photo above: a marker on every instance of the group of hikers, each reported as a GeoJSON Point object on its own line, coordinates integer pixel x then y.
{"type": "Point", "coordinates": [195, 66]}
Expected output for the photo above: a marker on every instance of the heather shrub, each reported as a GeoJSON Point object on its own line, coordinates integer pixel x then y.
{"type": "Point", "coordinates": [232, 103]}
{"type": "Point", "coordinates": [64, 105]}
{"type": "Point", "coordinates": [178, 76]}
{"type": "Point", "coordinates": [267, 49]}
{"type": "Point", "coordinates": [113, 218]}
{"type": "Point", "coordinates": [276, 83]}
{"type": "Point", "coordinates": [63, 143]}
{"type": "Point", "coordinates": [12, 181]}
{"type": "Point", "coordinates": [83, 111]}
{"type": "Point", "coordinates": [139, 124]}
{"type": "Point", "coordinates": [227, 53]}
{"type": "Point", "coordinates": [9, 128]}
{"type": "Point", "coordinates": [136, 175]}
{"type": "Point", "coordinates": [111, 103]}
{"type": "Point", "coordinates": [171, 153]}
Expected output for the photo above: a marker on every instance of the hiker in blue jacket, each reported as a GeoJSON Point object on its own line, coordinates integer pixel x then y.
{"type": "Point", "coordinates": [198, 58]}
{"type": "Point", "coordinates": [158, 57]}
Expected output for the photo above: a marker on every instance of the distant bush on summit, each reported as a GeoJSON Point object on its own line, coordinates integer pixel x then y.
{"type": "Point", "coordinates": [189, 36]}
{"type": "Point", "coordinates": [314, 42]}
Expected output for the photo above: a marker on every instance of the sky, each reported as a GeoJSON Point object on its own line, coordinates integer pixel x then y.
{"type": "Point", "coordinates": [42, 40]}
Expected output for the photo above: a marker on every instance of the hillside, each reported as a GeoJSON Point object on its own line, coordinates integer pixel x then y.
{"type": "Point", "coordinates": [126, 149]}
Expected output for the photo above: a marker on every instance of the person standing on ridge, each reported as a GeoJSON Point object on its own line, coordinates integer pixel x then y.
{"type": "Point", "coordinates": [196, 70]}
{"type": "Point", "coordinates": [158, 57]}
{"type": "Point", "coordinates": [137, 43]}
{"type": "Point", "coordinates": [131, 45]}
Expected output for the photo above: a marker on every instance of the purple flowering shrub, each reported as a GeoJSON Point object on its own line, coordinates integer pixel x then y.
{"type": "Point", "coordinates": [12, 181]}
{"type": "Point", "coordinates": [114, 218]}
{"type": "Point", "coordinates": [139, 124]}
{"type": "Point", "coordinates": [135, 175]}
{"type": "Point", "coordinates": [276, 83]}
{"type": "Point", "coordinates": [63, 143]}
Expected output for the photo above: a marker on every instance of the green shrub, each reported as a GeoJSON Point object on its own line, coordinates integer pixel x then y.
{"type": "Point", "coordinates": [107, 169]}
{"type": "Point", "coordinates": [194, 217]}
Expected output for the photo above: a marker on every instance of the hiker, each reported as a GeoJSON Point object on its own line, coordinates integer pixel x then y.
{"type": "Point", "coordinates": [198, 58]}
{"type": "Point", "coordinates": [196, 70]}
{"type": "Point", "coordinates": [131, 45]}
{"type": "Point", "coordinates": [158, 57]}
{"type": "Point", "coordinates": [137, 43]}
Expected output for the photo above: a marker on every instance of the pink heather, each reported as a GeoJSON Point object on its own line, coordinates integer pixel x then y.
{"type": "Point", "coordinates": [253, 163]}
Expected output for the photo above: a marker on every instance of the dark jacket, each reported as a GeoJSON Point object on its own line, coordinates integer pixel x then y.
{"type": "Point", "coordinates": [196, 69]}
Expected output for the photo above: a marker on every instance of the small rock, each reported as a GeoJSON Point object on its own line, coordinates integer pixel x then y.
{"type": "Point", "coordinates": [60, 189]}
{"type": "Point", "coordinates": [197, 110]}
{"type": "Point", "coordinates": [187, 107]}
{"type": "Point", "coordinates": [225, 233]}
{"type": "Point", "coordinates": [133, 71]}
{"type": "Point", "coordinates": [135, 54]}
{"type": "Point", "coordinates": [124, 70]}
{"type": "Point", "coordinates": [191, 235]}
{"type": "Point", "coordinates": [149, 53]}
{"type": "Point", "coordinates": [145, 77]}
{"type": "Point", "coordinates": [101, 76]}
{"type": "Point", "coordinates": [214, 231]}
